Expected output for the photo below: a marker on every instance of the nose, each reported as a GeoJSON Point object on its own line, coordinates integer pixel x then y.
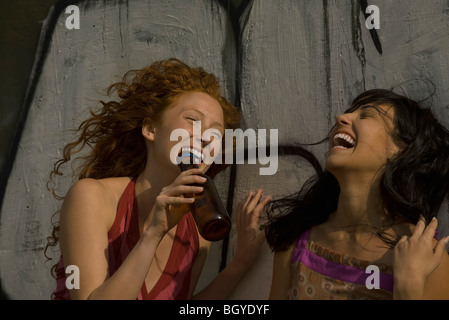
{"type": "Point", "coordinates": [200, 141]}
{"type": "Point", "coordinates": [343, 119]}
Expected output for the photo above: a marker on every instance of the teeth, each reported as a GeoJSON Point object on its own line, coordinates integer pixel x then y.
{"type": "Point", "coordinates": [345, 137]}
{"type": "Point", "coordinates": [195, 152]}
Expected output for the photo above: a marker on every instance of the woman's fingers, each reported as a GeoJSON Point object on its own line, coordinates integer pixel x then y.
{"type": "Point", "coordinates": [178, 191]}
{"type": "Point", "coordinates": [164, 200]}
{"type": "Point", "coordinates": [188, 182]}
{"type": "Point", "coordinates": [258, 209]}
{"type": "Point", "coordinates": [252, 200]}
{"type": "Point", "coordinates": [419, 227]}
{"type": "Point", "coordinates": [196, 171]}
{"type": "Point", "coordinates": [255, 202]}
{"type": "Point", "coordinates": [424, 234]}
{"type": "Point", "coordinates": [249, 211]}
{"type": "Point", "coordinates": [403, 239]}
{"type": "Point", "coordinates": [189, 179]}
{"type": "Point", "coordinates": [248, 199]}
{"type": "Point", "coordinates": [440, 248]}
{"type": "Point", "coordinates": [429, 231]}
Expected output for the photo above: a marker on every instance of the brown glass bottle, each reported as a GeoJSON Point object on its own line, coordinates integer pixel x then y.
{"type": "Point", "coordinates": [210, 215]}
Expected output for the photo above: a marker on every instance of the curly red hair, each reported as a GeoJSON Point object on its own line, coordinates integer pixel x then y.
{"type": "Point", "coordinates": [113, 134]}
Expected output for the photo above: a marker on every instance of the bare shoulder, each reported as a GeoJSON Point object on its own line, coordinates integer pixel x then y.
{"type": "Point", "coordinates": [99, 196]}
{"type": "Point", "coordinates": [283, 258]}
{"type": "Point", "coordinates": [281, 274]}
{"type": "Point", "coordinates": [281, 263]}
{"type": "Point", "coordinates": [86, 216]}
{"type": "Point", "coordinates": [107, 187]}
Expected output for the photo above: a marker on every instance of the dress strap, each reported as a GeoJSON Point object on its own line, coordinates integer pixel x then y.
{"type": "Point", "coordinates": [124, 208]}
{"type": "Point", "coordinates": [174, 282]}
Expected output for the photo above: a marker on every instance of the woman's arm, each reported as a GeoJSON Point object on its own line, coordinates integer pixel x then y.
{"type": "Point", "coordinates": [421, 265]}
{"type": "Point", "coordinates": [281, 281]}
{"type": "Point", "coordinates": [86, 215]}
{"type": "Point", "coordinates": [250, 240]}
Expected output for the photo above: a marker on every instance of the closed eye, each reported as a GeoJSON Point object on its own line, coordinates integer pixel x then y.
{"type": "Point", "coordinates": [364, 115]}
{"type": "Point", "coordinates": [368, 111]}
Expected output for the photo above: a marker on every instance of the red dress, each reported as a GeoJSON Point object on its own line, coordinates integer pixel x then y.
{"type": "Point", "coordinates": [174, 282]}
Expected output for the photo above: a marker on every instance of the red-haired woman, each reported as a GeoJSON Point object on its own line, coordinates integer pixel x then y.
{"type": "Point", "coordinates": [124, 223]}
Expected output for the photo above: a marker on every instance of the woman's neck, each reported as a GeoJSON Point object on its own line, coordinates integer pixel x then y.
{"type": "Point", "coordinates": [149, 185]}
{"type": "Point", "coordinates": [359, 205]}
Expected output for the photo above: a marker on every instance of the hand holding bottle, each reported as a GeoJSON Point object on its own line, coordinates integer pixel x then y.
{"type": "Point", "coordinates": [165, 213]}
{"type": "Point", "coordinates": [207, 209]}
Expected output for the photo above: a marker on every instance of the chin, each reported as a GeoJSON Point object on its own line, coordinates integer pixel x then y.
{"type": "Point", "coordinates": [337, 166]}
{"type": "Point", "coordinates": [332, 163]}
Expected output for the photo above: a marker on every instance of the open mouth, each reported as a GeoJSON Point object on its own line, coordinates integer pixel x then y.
{"type": "Point", "coordinates": [196, 155]}
{"type": "Point", "coordinates": [343, 141]}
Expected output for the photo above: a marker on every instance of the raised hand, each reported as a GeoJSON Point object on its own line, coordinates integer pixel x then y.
{"type": "Point", "coordinates": [415, 258]}
{"type": "Point", "coordinates": [250, 237]}
{"type": "Point", "coordinates": [166, 212]}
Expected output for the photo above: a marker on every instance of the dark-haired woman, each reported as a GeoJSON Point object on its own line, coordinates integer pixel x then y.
{"type": "Point", "coordinates": [125, 224]}
{"type": "Point", "coordinates": [365, 228]}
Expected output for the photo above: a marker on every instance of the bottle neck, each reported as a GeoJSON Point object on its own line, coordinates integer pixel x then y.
{"type": "Point", "coordinates": [185, 167]}
{"type": "Point", "coordinates": [188, 161]}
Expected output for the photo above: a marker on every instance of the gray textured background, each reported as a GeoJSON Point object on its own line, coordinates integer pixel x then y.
{"type": "Point", "coordinates": [290, 65]}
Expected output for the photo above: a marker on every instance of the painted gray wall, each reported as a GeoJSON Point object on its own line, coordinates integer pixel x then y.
{"type": "Point", "coordinates": [294, 66]}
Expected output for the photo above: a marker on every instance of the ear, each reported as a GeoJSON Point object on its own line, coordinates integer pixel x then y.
{"type": "Point", "coordinates": [148, 130]}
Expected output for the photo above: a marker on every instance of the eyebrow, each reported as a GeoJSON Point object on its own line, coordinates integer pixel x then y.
{"type": "Point", "coordinates": [379, 110]}
{"type": "Point", "coordinates": [368, 106]}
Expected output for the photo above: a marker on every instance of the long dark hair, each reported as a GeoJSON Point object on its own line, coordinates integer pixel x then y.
{"type": "Point", "coordinates": [413, 183]}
